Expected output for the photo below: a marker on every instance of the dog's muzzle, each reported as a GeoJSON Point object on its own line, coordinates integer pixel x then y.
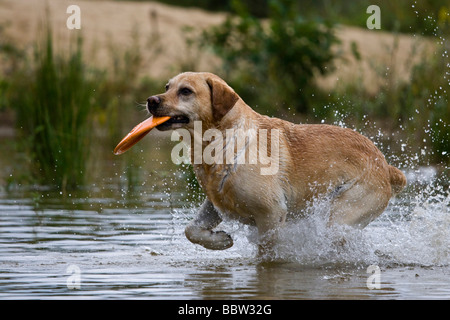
{"type": "Point", "coordinates": [154, 106]}
{"type": "Point", "coordinates": [153, 102]}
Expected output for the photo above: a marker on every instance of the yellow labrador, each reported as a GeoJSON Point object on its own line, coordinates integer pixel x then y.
{"type": "Point", "coordinates": [304, 162]}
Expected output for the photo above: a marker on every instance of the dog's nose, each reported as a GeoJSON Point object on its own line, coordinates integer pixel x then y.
{"type": "Point", "coordinates": [153, 102]}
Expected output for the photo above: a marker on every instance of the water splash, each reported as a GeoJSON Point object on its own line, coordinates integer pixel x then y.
{"type": "Point", "coordinates": [413, 231]}
{"type": "Point", "coordinates": [420, 234]}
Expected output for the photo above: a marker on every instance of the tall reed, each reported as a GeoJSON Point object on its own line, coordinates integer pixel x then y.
{"type": "Point", "coordinates": [54, 104]}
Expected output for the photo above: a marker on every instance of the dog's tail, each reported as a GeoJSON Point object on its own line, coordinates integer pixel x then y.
{"type": "Point", "coordinates": [398, 180]}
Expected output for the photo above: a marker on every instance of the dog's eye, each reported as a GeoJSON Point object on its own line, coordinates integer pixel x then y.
{"type": "Point", "coordinates": [167, 87]}
{"type": "Point", "coordinates": [185, 91]}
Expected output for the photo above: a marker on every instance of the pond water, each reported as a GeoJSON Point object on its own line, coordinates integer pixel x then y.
{"type": "Point", "coordinates": [111, 241]}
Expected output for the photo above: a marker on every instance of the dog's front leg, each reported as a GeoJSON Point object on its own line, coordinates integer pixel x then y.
{"type": "Point", "coordinates": [269, 225]}
{"type": "Point", "coordinates": [199, 231]}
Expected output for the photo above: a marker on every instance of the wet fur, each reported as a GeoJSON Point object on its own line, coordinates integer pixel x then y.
{"type": "Point", "coordinates": [315, 161]}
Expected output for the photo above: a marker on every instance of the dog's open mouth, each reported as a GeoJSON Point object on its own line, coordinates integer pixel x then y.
{"type": "Point", "coordinates": [174, 122]}
{"type": "Point", "coordinates": [178, 119]}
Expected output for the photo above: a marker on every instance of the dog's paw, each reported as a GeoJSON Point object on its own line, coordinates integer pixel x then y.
{"type": "Point", "coordinates": [220, 241]}
{"type": "Point", "coordinates": [213, 240]}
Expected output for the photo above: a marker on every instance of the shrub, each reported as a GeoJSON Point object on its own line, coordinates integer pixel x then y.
{"type": "Point", "coordinates": [279, 57]}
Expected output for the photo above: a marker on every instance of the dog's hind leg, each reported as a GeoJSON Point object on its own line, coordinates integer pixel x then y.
{"type": "Point", "coordinates": [268, 227]}
{"type": "Point", "coordinates": [359, 203]}
{"type": "Point", "coordinates": [200, 231]}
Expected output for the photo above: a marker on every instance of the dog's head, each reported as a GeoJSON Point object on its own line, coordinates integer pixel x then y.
{"type": "Point", "coordinates": [193, 97]}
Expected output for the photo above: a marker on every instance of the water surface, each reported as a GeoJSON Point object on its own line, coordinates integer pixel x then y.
{"type": "Point", "coordinates": [114, 241]}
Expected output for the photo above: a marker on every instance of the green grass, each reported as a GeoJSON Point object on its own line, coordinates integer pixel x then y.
{"type": "Point", "coordinates": [54, 99]}
{"type": "Point", "coordinates": [57, 98]}
{"type": "Point", "coordinates": [65, 108]}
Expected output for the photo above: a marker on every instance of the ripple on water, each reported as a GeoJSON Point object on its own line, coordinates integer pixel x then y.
{"type": "Point", "coordinates": [141, 251]}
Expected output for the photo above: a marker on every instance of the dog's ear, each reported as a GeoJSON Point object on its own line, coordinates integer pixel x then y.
{"type": "Point", "coordinates": [223, 98]}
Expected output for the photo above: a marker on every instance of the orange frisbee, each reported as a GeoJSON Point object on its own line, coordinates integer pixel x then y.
{"type": "Point", "coordinates": [138, 133]}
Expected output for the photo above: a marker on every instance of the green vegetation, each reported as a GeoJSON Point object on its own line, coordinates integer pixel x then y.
{"type": "Point", "coordinates": [289, 48]}
{"type": "Point", "coordinates": [419, 106]}
{"type": "Point", "coordinates": [53, 101]}
{"type": "Point", "coordinates": [419, 17]}
{"type": "Point", "coordinates": [272, 66]}
{"type": "Point", "coordinates": [58, 98]}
